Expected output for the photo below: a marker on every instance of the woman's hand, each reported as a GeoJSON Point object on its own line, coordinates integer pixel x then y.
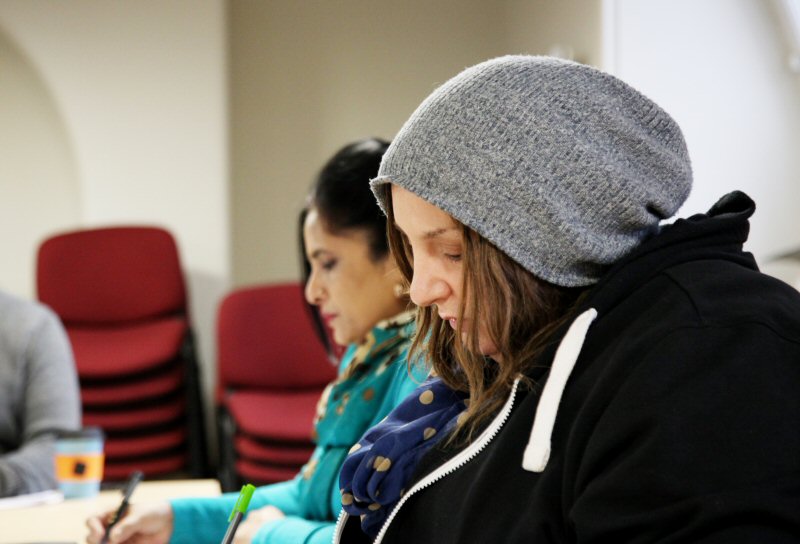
{"type": "Point", "coordinates": [254, 521]}
{"type": "Point", "coordinates": [143, 524]}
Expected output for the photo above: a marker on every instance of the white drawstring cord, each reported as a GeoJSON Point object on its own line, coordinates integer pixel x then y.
{"type": "Point", "coordinates": [537, 452]}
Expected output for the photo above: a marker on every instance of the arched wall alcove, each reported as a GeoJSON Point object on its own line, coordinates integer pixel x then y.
{"type": "Point", "coordinates": [39, 182]}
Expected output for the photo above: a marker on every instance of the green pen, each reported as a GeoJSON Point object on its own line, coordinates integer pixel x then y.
{"type": "Point", "coordinates": [238, 512]}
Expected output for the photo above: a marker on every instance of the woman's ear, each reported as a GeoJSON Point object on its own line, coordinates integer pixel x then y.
{"type": "Point", "coordinates": [391, 270]}
{"type": "Point", "coordinates": [394, 277]}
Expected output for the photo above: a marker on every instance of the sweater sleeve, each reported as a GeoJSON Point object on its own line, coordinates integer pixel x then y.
{"type": "Point", "coordinates": [205, 520]}
{"type": "Point", "coordinates": [51, 404]}
{"type": "Point", "coordinates": [296, 530]}
{"type": "Point", "coordinates": [699, 443]}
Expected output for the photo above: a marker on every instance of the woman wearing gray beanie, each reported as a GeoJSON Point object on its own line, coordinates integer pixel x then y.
{"type": "Point", "coordinates": [624, 380]}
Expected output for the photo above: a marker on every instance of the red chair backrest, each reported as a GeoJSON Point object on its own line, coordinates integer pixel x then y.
{"type": "Point", "coordinates": [265, 339]}
{"type": "Point", "coordinates": [111, 275]}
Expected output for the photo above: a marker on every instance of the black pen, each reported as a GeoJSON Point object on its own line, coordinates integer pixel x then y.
{"type": "Point", "coordinates": [133, 481]}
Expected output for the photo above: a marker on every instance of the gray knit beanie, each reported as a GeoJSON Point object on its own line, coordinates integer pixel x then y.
{"type": "Point", "coordinates": [564, 168]}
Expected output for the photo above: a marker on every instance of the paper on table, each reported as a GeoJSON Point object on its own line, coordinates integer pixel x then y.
{"type": "Point", "coordinates": [51, 496]}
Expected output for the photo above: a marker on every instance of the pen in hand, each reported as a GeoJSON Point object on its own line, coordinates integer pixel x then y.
{"type": "Point", "coordinates": [134, 480]}
{"type": "Point", "coordinates": [238, 512]}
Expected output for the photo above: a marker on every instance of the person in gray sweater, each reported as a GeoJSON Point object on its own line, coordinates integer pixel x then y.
{"type": "Point", "coordinates": [39, 394]}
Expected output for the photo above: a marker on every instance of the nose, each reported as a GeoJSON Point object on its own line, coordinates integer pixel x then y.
{"type": "Point", "coordinates": [314, 291]}
{"type": "Point", "coordinates": [427, 287]}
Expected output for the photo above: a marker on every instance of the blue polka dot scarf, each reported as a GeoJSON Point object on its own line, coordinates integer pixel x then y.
{"type": "Point", "coordinates": [375, 474]}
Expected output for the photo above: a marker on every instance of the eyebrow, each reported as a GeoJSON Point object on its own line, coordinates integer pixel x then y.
{"type": "Point", "coordinates": [318, 252]}
{"type": "Point", "coordinates": [429, 234]}
{"type": "Point", "coordinates": [436, 232]}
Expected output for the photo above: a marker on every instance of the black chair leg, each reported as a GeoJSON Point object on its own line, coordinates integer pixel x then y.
{"type": "Point", "coordinates": [226, 472]}
{"type": "Point", "coordinates": [198, 450]}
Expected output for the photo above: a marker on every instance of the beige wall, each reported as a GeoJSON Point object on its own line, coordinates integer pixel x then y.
{"type": "Point", "coordinates": [36, 159]}
{"type": "Point", "coordinates": [307, 77]}
{"type": "Point", "coordinates": [571, 27]}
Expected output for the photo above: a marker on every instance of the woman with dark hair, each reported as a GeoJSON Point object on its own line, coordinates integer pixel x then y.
{"type": "Point", "coordinates": [627, 380]}
{"type": "Point", "coordinates": [355, 284]}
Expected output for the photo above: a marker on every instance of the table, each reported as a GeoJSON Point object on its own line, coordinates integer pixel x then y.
{"type": "Point", "coordinates": [65, 521]}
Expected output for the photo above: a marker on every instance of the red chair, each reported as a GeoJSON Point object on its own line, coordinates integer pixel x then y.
{"type": "Point", "coordinates": [271, 370]}
{"type": "Point", "coordinates": [121, 296]}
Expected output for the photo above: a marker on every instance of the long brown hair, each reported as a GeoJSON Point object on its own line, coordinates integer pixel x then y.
{"type": "Point", "coordinates": [519, 312]}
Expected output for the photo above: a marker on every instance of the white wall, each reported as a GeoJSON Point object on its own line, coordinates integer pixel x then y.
{"type": "Point", "coordinates": [718, 66]}
{"type": "Point", "coordinates": [141, 89]}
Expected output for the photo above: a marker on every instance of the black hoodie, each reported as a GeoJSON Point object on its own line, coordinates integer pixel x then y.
{"type": "Point", "coordinates": [680, 421]}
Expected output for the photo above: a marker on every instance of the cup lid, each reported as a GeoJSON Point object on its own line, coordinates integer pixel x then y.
{"type": "Point", "coordinates": [86, 432]}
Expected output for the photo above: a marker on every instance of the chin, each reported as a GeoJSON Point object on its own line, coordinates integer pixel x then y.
{"type": "Point", "coordinates": [491, 353]}
{"type": "Point", "coordinates": [345, 338]}
{"type": "Point", "coordinates": [340, 340]}
{"type": "Point", "coordinates": [485, 349]}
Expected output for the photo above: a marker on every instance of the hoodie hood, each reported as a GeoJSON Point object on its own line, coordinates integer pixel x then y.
{"type": "Point", "coordinates": [718, 234]}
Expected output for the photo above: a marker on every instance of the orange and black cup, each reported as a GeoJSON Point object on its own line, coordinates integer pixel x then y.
{"type": "Point", "coordinates": [79, 462]}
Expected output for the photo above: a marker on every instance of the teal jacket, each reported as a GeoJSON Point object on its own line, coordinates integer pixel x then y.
{"type": "Point", "coordinates": [373, 379]}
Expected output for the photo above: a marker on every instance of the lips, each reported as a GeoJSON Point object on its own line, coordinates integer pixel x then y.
{"type": "Point", "coordinates": [451, 320]}
{"type": "Point", "coordinates": [327, 318]}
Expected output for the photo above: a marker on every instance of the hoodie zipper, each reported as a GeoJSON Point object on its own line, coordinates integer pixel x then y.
{"type": "Point", "coordinates": [456, 462]}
